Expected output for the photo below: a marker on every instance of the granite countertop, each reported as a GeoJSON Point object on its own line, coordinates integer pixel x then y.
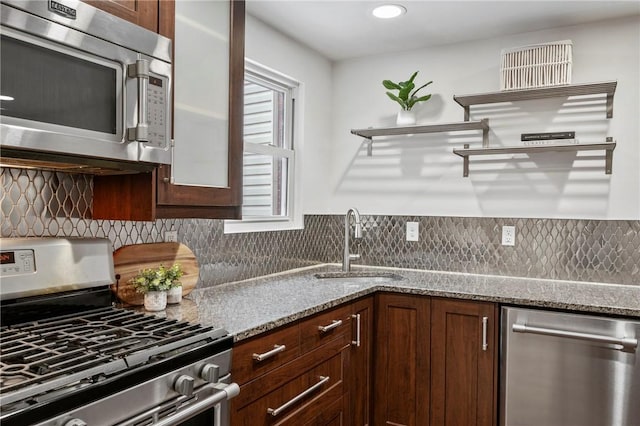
{"type": "Point", "coordinates": [250, 307]}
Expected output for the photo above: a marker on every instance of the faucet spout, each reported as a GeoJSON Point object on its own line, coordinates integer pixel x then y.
{"type": "Point", "coordinates": [348, 256]}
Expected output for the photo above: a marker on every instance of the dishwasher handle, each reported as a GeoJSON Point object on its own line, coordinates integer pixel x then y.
{"type": "Point", "coordinates": [625, 342]}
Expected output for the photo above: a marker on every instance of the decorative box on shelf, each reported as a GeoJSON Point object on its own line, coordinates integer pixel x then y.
{"type": "Point", "coordinates": [536, 65]}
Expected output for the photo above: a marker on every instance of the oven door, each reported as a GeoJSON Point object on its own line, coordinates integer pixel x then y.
{"type": "Point", "coordinates": [67, 92]}
{"type": "Point", "coordinates": [185, 396]}
{"type": "Point", "coordinates": [209, 406]}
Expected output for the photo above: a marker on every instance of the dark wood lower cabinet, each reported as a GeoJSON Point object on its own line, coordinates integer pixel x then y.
{"type": "Point", "coordinates": [401, 372]}
{"type": "Point", "coordinates": [314, 376]}
{"type": "Point", "coordinates": [435, 361]}
{"type": "Point", "coordinates": [300, 391]}
{"type": "Point", "coordinates": [361, 363]}
{"type": "Point", "coordinates": [464, 357]}
{"type": "Point", "coordinates": [421, 361]}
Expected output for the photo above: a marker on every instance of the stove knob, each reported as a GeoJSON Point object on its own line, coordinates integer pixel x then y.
{"type": "Point", "coordinates": [184, 385]}
{"type": "Point", "coordinates": [210, 373]}
{"type": "Point", "coordinates": [75, 422]}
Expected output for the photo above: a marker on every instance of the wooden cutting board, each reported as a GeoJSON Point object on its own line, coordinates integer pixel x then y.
{"type": "Point", "coordinates": [129, 260]}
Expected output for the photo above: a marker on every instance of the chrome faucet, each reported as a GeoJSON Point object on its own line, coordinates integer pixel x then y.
{"type": "Point", "coordinates": [348, 256]}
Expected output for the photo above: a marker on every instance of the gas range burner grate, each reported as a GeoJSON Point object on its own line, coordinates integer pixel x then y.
{"type": "Point", "coordinates": [40, 356]}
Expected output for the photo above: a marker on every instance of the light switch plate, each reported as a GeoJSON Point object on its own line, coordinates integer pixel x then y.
{"type": "Point", "coordinates": [508, 235]}
{"type": "Point", "coordinates": [412, 231]}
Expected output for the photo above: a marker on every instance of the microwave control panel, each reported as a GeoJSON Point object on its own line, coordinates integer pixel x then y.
{"type": "Point", "coordinates": [157, 105]}
{"type": "Point", "coordinates": [17, 262]}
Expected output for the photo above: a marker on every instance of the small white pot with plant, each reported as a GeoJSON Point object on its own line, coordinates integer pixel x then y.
{"type": "Point", "coordinates": [407, 97]}
{"type": "Point", "coordinates": [155, 284]}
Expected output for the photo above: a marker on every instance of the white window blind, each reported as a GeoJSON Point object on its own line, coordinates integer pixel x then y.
{"type": "Point", "coordinates": [269, 158]}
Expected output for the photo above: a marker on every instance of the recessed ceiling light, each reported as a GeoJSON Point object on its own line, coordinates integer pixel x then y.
{"type": "Point", "coordinates": [389, 11]}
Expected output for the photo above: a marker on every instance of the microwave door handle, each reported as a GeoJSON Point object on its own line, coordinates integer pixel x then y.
{"type": "Point", "coordinates": [140, 70]}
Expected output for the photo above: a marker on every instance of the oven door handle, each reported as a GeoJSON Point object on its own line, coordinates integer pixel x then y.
{"type": "Point", "coordinates": [227, 392]}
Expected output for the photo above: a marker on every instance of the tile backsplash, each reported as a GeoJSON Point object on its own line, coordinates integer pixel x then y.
{"type": "Point", "coordinates": [42, 203]}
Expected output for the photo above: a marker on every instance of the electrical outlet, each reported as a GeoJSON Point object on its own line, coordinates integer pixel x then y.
{"type": "Point", "coordinates": [508, 235]}
{"type": "Point", "coordinates": [412, 231]}
{"type": "Point", "coordinates": [170, 236]}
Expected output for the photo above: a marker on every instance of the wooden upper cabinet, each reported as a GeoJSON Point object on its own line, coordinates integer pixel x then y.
{"type": "Point", "coordinates": [140, 12]}
{"type": "Point", "coordinates": [175, 200]}
{"type": "Point", "coordinates": [150, 196]}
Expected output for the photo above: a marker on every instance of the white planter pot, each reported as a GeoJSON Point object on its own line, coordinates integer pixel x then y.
{"type": "Point", "coordinates": [155, 300]}
{"type": "Point", "coordinates": [406, 118]}
{"type": "Point", "coordinates": [174, 295]}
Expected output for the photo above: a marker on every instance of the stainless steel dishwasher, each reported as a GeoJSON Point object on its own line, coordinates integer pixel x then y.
{"type": "Point", "coordinates": [560, 369]}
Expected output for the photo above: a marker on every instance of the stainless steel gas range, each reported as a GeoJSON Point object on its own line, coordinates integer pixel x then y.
{"type": "Point", "coordinates": [69, 358]}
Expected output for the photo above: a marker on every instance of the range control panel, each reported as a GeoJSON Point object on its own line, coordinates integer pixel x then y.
{"type": "Point", "coordinates": [17, 262]}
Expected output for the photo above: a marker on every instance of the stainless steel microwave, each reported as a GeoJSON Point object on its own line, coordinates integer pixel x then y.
{"type": "Point", "coordinates": [82, 87]}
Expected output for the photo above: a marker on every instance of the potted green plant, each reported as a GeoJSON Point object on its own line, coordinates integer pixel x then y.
{"type": "Point", "coordinates": [155, 283]}
{"type": "Point", "coordinates": [407, 97]}
{"type": "Point", "coordinates": [174, 294]}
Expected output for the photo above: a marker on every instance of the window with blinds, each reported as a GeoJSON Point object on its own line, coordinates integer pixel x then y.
{"type": "Point", "coordinates": [269, 164]}
{"type": "Point", "coordinates": [267, 150]}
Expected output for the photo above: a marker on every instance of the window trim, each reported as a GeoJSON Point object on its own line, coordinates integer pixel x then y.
{"type": "Point", "coordinates": [294, 220]}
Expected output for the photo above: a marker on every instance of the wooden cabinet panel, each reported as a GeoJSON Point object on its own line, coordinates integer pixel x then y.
{"type": "Point", "coordinates": [113, 197]}
{"type": "Point", "coordinates": [401, 374]}
{"type": "Point", "coordinates": [360, 364]}
{"type": "Point", "coordinates": [140, 12]}
{"type": "Point", "coordinates": [332, 415]}
{"type": "Point", "coordinates": [463, 372]}
{"type": "Point", "coordinates": [323, 410]}
{"type": "Point", "coordinates": [246, 368]}
{"type": "Point", "coordinates": [335, 322]}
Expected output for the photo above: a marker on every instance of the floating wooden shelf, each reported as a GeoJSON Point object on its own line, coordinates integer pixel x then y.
{"type": "Point", "coordinates": [418, 129]}
{"type": "Point", "coordinates": [608, 147]}
{"type": "Point", "coordinates": [608, 88]}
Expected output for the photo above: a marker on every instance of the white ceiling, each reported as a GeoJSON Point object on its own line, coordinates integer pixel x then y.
{"type": "Point", "coordinates": [341, 29]}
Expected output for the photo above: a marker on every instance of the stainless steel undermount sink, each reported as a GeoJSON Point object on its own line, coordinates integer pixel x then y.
{"type": "Point", "coordinates": [360, 276]}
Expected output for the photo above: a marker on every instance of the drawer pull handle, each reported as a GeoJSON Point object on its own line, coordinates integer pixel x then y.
{"type": "Point", "coordinates": [356, 342]}
{"type": "Point", "coordinates": [334, 324]}
{"type": "Point", "coordinates": [485, 345]}
{"type": "Point", "coordinates": [276, 350]}
{"type": "Point", "coordinates": [275, 411]}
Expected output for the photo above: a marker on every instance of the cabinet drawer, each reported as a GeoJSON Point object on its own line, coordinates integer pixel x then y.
{"type": "Point", "coordinates": [324, 410]}
{"type": "Point", "coordinates": [286, 398]}
{"type": "Point", "coordinates": [258, 356]}
{"type": "Point", "coordinates": [324, 327]}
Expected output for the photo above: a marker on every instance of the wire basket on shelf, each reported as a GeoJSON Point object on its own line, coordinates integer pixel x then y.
{"type": "Point", "coordinates": [536, 65]}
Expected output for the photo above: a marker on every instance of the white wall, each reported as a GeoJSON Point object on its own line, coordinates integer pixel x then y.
{"type": "Point", "coordinates": [275, 50]}
{"type": "Point", "coordinates": [419, 175]}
